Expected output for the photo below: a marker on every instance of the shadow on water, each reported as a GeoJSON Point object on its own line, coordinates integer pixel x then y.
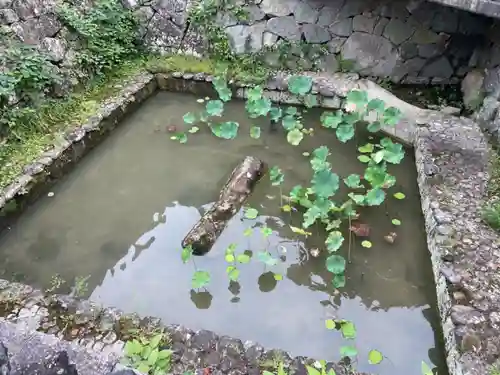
{"type": "Point", "coordinates": [122, 214]}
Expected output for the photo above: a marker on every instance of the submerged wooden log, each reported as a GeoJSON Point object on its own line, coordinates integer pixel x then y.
{"type": "Point", "coordinates": [233, 195]}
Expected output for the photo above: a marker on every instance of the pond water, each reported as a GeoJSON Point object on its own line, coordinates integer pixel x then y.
{"type": "Point", "coordinates": [121, 215]}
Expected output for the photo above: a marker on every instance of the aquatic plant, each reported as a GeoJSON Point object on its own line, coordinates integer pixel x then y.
{"type": "Point", "coordinates": [280, 370]}
{"type": "Point", "coordinates": [318, 203]}
{"type": "Point", "coordinates": [319, 368]}
{"type": "Point", "coordinates": [148, 355]}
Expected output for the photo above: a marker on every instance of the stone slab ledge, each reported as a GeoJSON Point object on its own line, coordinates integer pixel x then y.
{"type": "Point", "coordinates": [84, 328]}
{"type": "Point", "coordinates": [452, 161]}
{"type": "Point", "coordinates": [331, 91]}
{"type": "Point", "coordinates": [29, 351]}
{"type": "Point", "coordinates": [490, 8]}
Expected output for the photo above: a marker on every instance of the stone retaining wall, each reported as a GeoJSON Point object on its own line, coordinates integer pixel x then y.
{"type": "Point", "coordinates": [406, 41]}
{"type": "Point", "coordinates": [410, 41]}
{"type": "Point", "coordinates": [483, 81]}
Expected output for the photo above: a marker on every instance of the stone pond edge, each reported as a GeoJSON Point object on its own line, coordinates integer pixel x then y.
{"type": "Point", "coordinates": [331, 90]}
{"type": "Point", "coordinates": [91, 328]}
{"type": "Point", "coordinates": [39, 175]}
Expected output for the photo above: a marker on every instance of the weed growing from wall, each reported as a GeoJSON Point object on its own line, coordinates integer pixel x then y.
{"type": "Point", "coordinates": [25, 78]}
{"type": "Point", "coordinates": [253, 67]}
{"type": "Point", "coordinates": [107, 31]}
{"type": "Point", "coordinates": [107, 39]}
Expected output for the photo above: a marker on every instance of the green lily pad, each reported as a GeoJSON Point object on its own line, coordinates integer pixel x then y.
{"type": "Point", "coordinates": [294, 137]}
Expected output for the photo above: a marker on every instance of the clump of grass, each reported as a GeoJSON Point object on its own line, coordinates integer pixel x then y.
{"type": "Point", "coordinates": [56, 116]}
{"type": "Point", "coordinates": [180, 63]}
{"type": "Point", "coordinates": [494, 171]}
{"type": "Point", "coordinates": [490, 213]}
{"type": "Point", "coordinates": [247, 69]}
{"type": "Point", "coordinates": [494, 369]}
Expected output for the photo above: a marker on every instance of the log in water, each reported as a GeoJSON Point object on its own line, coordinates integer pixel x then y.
{"type": "Point", "coordinates": [233, 195]}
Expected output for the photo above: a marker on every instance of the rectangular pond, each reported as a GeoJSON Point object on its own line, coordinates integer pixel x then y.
{"type": "Point", "coordinates": [121, 214]}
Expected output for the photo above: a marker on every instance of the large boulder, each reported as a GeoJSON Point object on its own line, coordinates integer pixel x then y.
{"type": "Point", "coordinates": [285, 27]}
{"type": "Point", "coordinates": [371, 54]}
{"type": "Point", "coordinates": [246, 39]}
{"type": "Point", "coordinates": [472, 89]}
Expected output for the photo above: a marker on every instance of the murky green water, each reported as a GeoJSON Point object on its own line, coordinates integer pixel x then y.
{"type": "Point", "coordinates": [122, 214]}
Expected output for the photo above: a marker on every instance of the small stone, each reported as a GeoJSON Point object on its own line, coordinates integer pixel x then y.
{"type": "Point", "coordinates": [342, 28]}
{"type": "Point", "coordinates": [470, 342]}
{"type": "Point", "coordinates": [441, 217]}
{"type": "Point", "coordinates": [335, 45]}
{"type": "Point", "coordinates": [199, 77]}
{"type": "Point", "coordinates": [444, 230]}
{"type": "Point", "coordinates": [272, 58]}
{"type": "Point", "coordinates": [425, 36]}
{"type": "Point", "coordinates": [110, 338]}
{"type": "Point", "coordinates": [390, 238]}
{"type": "Point", "coordinates": [253, 353]}
{"type": "Point", "coordinates": [464, 315]}
{"type": "Point", "coordinates": [4, 360]}
{"type": "Point", "coordinates": [124, 372]}
{"type": "Point", "coordinates": [285, 27]}
{"type": "Point", "coordinates": [277, 8]}
{"type": "Point", "coordinates": [5, 3]}
{"type": "Point", "coordinates": [495, 317]}
{"type": "Point", "coordinates": [33, 169]}
{"type": "Point", "coordinates": [363, 23]}
{"type": "Point", "coordinates": [315, 34]}
{"type": "Point", "coordinates": [429, 50]}
{"type": "Point", "coordinates": [449, 110]}
{"type": "Point", "coordinates": [450, 275]}
{"type": "Point", "coordinates": [398, 31]}
{"type": "Point", "coordinates": [304, 13]}
{"type": "Point", "coordinates": [50, 194]}
{"type": "Point", "coordinates": [53, 330]}
{"type": "Point", "coordinates": [254, 14]}
{"type": "Point", "coordinates": [409, 50]}
{"type": "Point", "coordinates": [269, 39]}
{"type": "Point", "coordinates": [8, 16]}
{"type": "Point", "coordinates": [372, 53]}
{"type": "Point", "coordinates": [445, 20]}
{"type": "Point", "coordinates": [472, 89]}
{"type": "Point", "coordinates": [332, 102]}
{"type": "Point", "coordinates": [33, 30]}
{"type": "Point", "coordinates": [328, 63]}
{"type": "Point", "coordinates": [204, 340]}
{"type": "Point", "coordinates": [106, 323]}
{"type": "Point", "coordinates": [329, 13]}
{"type": "Point", "coordinates": [211, 359]}
{"type": "Point", "coordinates": [438, 68]}
{"type": "Point", "coordinates": [352, 7]}
{"type": "Point", "coordinates": [55, 48]}
{"type": "Point", "coordinates": [460, 297]}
